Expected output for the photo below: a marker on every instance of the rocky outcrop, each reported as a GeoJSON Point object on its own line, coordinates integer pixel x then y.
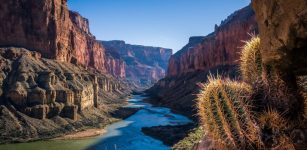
{"type": "Point", "coordinates": [80, 22]}
{"type": "Point", "coordinates": [217, 53]}
{"type": "Point", "coordinates": [283, 33]}
{"type": "Point", "coordinates": [44, 88]}
{"type": "Point", "coordinates": [282, 26]}
{"type": "Point", "coordinates": [218, 48]}
{"type": "Point", "coordinates": [50, 28]}
{"type": "Point", "coordinates": [37, 90]}
{"type": "Point", "coordinates": [145, 65]}
{"type": "Point", "coordinates": [55, 78]}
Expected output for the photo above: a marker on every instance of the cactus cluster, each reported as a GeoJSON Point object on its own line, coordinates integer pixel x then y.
{"type": "Point", "coordinates": [224, 111]}
{"type": "Point", "coordinates": [250, 60]}
{"type": "Point", "coordinates": [224, 106]}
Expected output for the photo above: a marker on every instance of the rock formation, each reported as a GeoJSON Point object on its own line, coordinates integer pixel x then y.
{"type": "Point", "coordinates": [50, 28]}
{"type": "Point", "coordinates": [218, 48]}
{"type": "Point", "coordinates": [282, 26]}
{"type": "Point", "coordinates": [145, 65]}
{"type": "Point", "coordinates": [43, 88]}
{"type": "Point", "coordinates": [283, 33]}
{"type": "Point", "coordinates": [217, 52]}
{"type": "Point", "coordinates": [55, 78]}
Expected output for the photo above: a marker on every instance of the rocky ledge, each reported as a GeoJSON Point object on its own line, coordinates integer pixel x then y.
{"type": "Point", "coordinates": [43, 98]}
{"type": "Point", "coordinates": [170, 135]}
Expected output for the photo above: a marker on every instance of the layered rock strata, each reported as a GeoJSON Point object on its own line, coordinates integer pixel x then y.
{"type": "Point", "coordinates": [217, 53]}
{"type": "Point", "coordinates": [50, 28]}
{"type": "Point", "coordinates": [35, 91]}
{"type": "Point", "coordinates": [145, 65]}
{"type": "Point", "coordinates": [44, 88]}
{"type": "Point", "coordinates": [55, 77]}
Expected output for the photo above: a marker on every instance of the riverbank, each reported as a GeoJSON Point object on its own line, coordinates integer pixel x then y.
{"type": "Point", "coordinates": [119, 114]}
{"type": "Point", "coordinates": [155, 101]}
{"type": "Point", "coordinates": [170, 135]}
{"type": "Point", "coordinates": [124, 134]}
{"type": "Point", "coordinates": [127, 134]}
{"type": "Point", "coordinates": [16, 127]}
{"type": "Point", "coordinates": [82, 134]}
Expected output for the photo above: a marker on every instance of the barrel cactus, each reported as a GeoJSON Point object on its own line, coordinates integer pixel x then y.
{"type": "Point", "coordinates": [224, 112]}
{"type": "Point", "coordinates": [250, 60]}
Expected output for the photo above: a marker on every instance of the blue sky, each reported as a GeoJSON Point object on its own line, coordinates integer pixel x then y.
{"type": "Point", "coordinates": [163, 23]}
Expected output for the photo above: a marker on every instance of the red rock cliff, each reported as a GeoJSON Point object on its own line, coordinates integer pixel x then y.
{"type": "Point", "coordinates": [218, 48]}
{"type": "Point", "coordinates": [47, 26]}
{"type": "Point", "coordinates": [145, 65]}
{"type": "Point", "coordinates": [216, 53]}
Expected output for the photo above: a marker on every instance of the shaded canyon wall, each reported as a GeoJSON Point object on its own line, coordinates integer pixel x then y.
{"type": "Point", "coordinates": [145, 65]}
{"type": "Point", "coordinates": [217, 53]}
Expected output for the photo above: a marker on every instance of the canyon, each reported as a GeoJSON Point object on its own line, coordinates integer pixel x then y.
{"type": "Point", "coordinates": [56, 78]}
{"type": "Point", "coordinates": [145, 65]}
{"type": "Point", "coordinates": [216, 53]}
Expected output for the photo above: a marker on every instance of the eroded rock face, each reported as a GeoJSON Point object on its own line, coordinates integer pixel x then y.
{"type": "Point", "coordinates": [59, 79]}
{"type": "Point", "coordinates": [47, 26]}
{"type": "Point", "coordinates": [216, 53]}
{"type": "Point", "coordinates": [218, 48]}
{"type": "Point", "coordinates": [80, 22]}
{"type": "Point", "coordinates": [283, 33]}
{"type": "Point", "coordinates": [144, 64]}
{"type": "Point", "coordinates": [44, 88]}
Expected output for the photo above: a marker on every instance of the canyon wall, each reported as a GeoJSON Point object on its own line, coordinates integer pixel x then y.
{"type": "Point", "coordinates": [219, 48]}
{"type": "Point", "coordinates": [217, 53]}
{"type": "Point", "coordinates": [47, 26]}
{"type": "Point", "coordinates": [145, 65]}
{"type": "Point", "coordinates": [283, 33]}
{"type": "Point", "coordinates": [55, 78]}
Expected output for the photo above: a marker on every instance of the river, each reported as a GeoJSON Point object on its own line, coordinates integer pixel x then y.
{"type": "Point", "coordinates": [122, 135]}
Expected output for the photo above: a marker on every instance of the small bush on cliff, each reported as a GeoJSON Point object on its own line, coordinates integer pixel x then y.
{"type": "Point", "coordinates": [250, 60]}
{"type": "Point", "coordinates": [188, 142]}
{"type": "Point", "coordinates": [225, 113]}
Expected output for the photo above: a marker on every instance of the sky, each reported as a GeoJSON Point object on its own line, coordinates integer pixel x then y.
{"type": "Point", "coordinates": [161, 23]}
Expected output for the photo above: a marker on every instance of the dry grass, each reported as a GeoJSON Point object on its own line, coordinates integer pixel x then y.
{"type": "Point", "coordinates": [188, 142]}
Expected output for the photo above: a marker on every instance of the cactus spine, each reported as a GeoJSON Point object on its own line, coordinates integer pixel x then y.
{"type": "Point", "coordinates": [250, 60]}
{"type": "Point", "coordinates": [224, 112]}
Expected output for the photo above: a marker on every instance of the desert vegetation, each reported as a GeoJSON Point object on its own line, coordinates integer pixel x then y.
{"type": "Point", "coordinates": [257, 112]}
